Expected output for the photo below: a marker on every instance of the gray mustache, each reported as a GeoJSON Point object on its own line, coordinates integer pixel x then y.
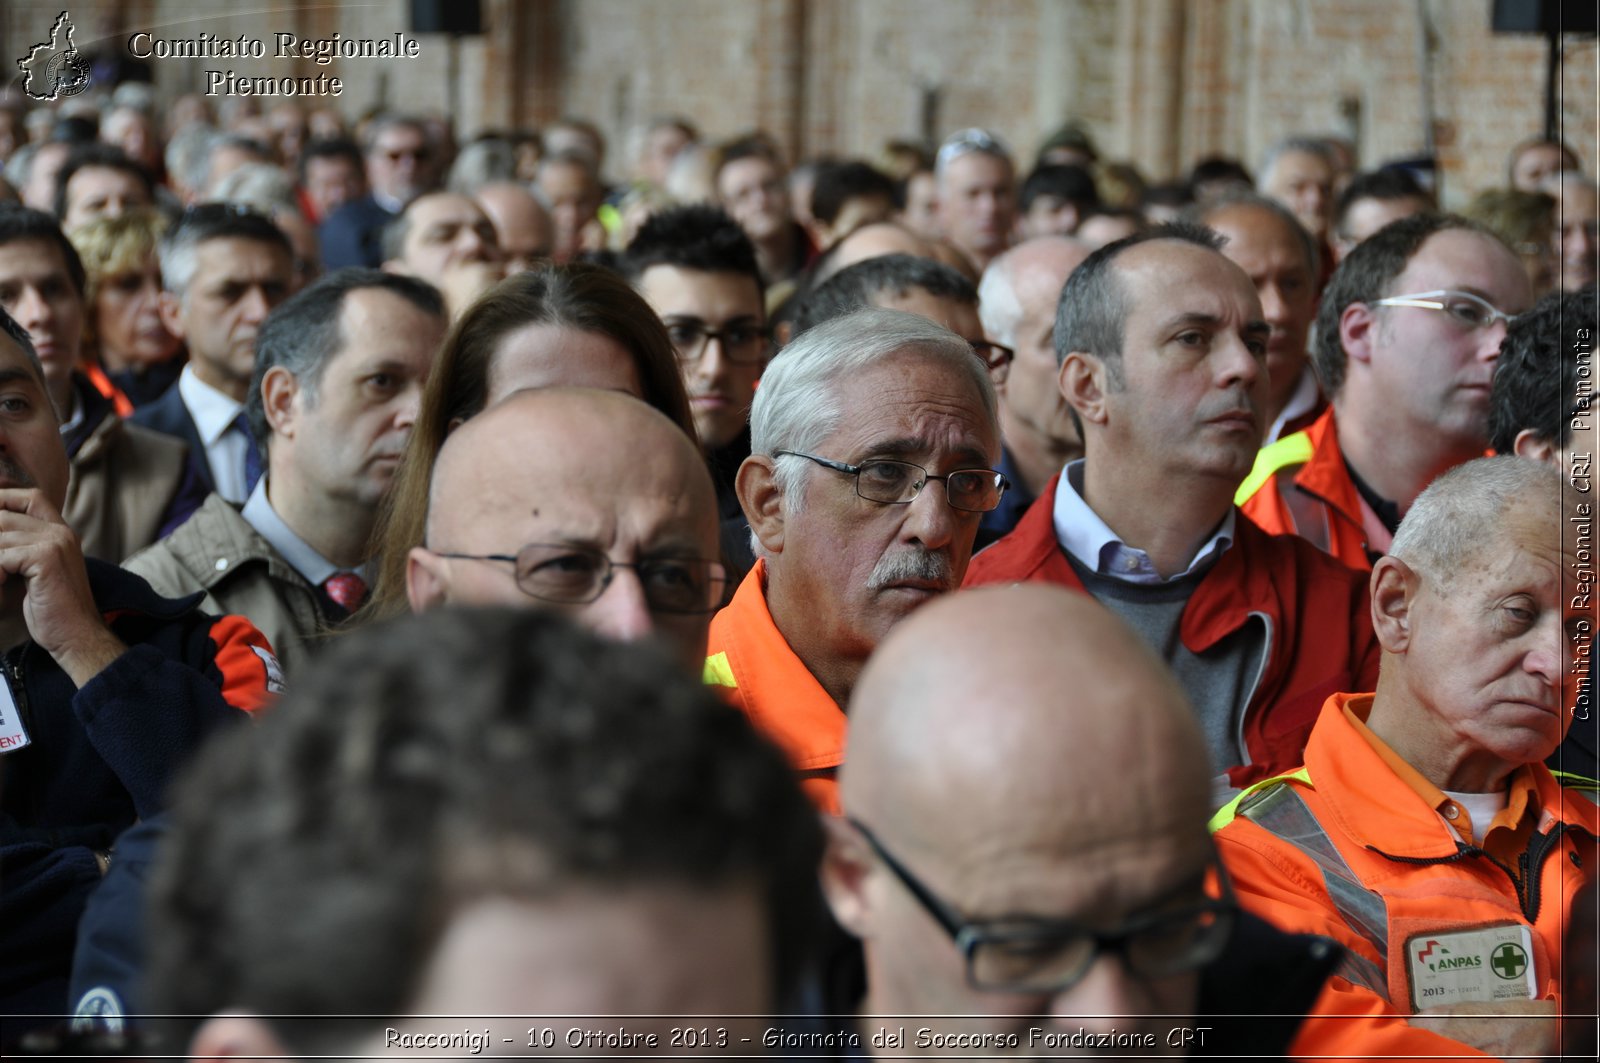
{"type": "Point", "coordinates": [911, 565]}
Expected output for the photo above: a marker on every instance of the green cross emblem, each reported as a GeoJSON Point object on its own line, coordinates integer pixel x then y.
{"type": "Point", "coordinates": [1508, 961]}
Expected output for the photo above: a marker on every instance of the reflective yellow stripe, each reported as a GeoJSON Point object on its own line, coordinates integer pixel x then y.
{"type": "Point", "coordinates": [718, 672]}
{"type": "Point", "coordinates": [1225, 815]}
{"type": "Point", "coordinates": [1574, 781]}
{"type": "Point", "coordinates": [1290, 450]}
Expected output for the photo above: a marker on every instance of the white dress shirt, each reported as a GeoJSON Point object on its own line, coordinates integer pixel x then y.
{"type": "Point", "coordinates": [226, 446]}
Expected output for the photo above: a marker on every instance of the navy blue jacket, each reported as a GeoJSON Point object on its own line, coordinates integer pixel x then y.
{"type": "Point", "coordinates": [170, 416]}
{"type": "Point", "coordinates": [100, 757]}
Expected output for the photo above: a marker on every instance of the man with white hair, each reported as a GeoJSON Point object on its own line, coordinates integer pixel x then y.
{"type": "Point", "coordinates": [977, 194]}
{"type": "Point", "coordinates": [1017, 301]}
{"type": "Point", "coordinates": [1423, 832]}
{"type": "Point", "coordinates": [852, 424]}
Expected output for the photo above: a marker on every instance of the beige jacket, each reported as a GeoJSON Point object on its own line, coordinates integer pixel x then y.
{"type": "Point", "coordinates": [217, 552]}
{"type": "Point", "coordinates": [124, 480]}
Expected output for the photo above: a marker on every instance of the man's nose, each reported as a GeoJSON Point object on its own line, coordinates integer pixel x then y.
{"type": "Point", "coordinates": [255, 304]}
{"type": "Point", "coordinates": [1105, 997]}
{"type": "Point", "coordinates": [32, 309]}
{"type": "Point", "coordinates": [930, 519]}
{"type": "Point", "coordinates": [622, 611]}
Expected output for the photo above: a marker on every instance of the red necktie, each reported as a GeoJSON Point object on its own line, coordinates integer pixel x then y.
{"type": "Point", "coordinates": [347, 589]}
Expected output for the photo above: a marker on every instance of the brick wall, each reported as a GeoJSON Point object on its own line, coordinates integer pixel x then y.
{"type": "Point", "coordinates": [1160, 82]}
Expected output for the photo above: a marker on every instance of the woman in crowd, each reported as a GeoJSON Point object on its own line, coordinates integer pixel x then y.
{"type": "Point", "coordinates": [126, 350]}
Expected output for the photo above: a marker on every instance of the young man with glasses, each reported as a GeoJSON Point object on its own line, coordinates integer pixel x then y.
{"type": "Point", "coordinates": [584, 501]}
{"type": "Point", "coordinates": [997, 867]}
{"type": "Point", "coordinates": [1405, 344]}
{"type": "Point", "coordinates": [873, 444]}
{"type": "Point", "coordinates": [1163, 351]}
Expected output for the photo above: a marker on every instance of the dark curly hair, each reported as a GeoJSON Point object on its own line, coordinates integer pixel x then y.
{"type": "Point", "coordinates": [1537, 379]}
{"type": "Point", "coordinates": [315, 861]}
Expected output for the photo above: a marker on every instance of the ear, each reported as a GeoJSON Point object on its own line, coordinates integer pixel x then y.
{"type": "Point", "coordinates": [1082, 380]}
{"type": "Point", "coordinates": [427, 579]}
{"type": "Point", "coordinates": [844, 874]}
{"type": "Point", "coordinates": [394, 265]}
{"type": "Point", "coordinates": [762, 501]}
{"type": "Point", "coordinates": [236, 1037]}
{"type": "Point", "coordinates": [279, 387]}
{"type": "Point", "coordinates": [1535, 448]}
{"type": "Point", "coordinates": [1394, 588]}
{"type": "Point", "coordinates": [1357, 327]}
{"type": "Point", "coordinates": [170, 307]}
{"type": "Point", "coordinates": [781, 332]}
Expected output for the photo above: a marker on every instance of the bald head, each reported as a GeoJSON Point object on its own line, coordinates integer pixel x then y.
{"type": "Point", "coordinates": [579, 469]}
{"type": "Point", "coordinates": [871, 241]}
{"type": "Point", "coordinates": [520, 220]}
{"type": "Point", "coordinates": [1022, 753]}
{"type": "Point", "coordinates": [948, 716]}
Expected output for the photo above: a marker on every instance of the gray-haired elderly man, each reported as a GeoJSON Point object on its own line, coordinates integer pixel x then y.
{"type": "Point", "coordinates": [851, 427]}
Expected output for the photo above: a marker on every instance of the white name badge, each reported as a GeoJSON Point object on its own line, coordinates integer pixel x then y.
{"type": "Point", "coordinates": [13, 736]}
{"type": "Point", "coordinates": [1472, 966]}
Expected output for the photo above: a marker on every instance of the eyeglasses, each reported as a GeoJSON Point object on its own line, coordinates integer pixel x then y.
{"type": "Point", "coordinates": [897, 483]}
{"type": "Point", "coordinates": [1465, 309]}
{"type": "Point", "coordinates": [743, 342]}
{"type": "Point", "coordinates": [1040, 956]}
{"type": "Point", "coordinates": [577, 575]}
{"type": "Point", "coordinates": [997, 356]}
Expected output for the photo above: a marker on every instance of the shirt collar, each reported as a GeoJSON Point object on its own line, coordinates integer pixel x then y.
{"type": "Point", "coordinates": [1300, 403]}
{"type": "Point", "coordinates": [1522, 795]}
{"type": "Point", "coordinates": [260, 515]}
{"type": "Point", "coordinates": [213, 411]}
{"type": "Point", "coordinates": [1091, 541]}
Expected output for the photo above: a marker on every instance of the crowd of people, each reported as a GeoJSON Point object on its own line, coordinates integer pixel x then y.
{"type": "Point", "coordinates": [838, 607]}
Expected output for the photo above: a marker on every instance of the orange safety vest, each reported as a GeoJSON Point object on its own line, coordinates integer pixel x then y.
{"type": "Point", "coordinates": [751, 663]}
{"type": "Point", "coordinates": [1346, 848]}
{"type": "Point", "coordinates": [1300, 486]}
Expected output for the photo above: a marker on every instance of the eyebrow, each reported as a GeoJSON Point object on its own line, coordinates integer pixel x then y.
{"type": "Point", "coordinates": [907, 446]}
{"type": "Point", "coordinates": [9, 377]}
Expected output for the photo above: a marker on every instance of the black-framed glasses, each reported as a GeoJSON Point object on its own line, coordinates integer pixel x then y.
{"type": "Point", "coordinates": [743, 342]}
{"type": "Point", "coordinates": [1050, 956]}
{"type": "Point", "coordinates": [577, 575]}
{"type": "Point", "coordinates": [997, 356]}
{"type": "Point", "coordinates": [1465, 309]}
{"type": "Point", "coordinates": [897, 483]}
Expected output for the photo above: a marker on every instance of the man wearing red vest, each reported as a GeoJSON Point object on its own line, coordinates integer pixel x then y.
{"type": "Point", "coordinates": [1405, 343]}
{"type": "Point", "coordinates": [1424, 833]}
{"type": "Point", "coordinates": [1163, 357]}
{"type": "Point", "coordinates": [852, 426]}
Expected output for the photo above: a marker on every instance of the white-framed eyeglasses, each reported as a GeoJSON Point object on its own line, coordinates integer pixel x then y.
{"type": "Point", "coordinates": [1465, 309]}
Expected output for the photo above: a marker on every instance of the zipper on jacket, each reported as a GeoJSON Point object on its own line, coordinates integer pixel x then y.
{"type": "Point", "coordinates": [1530, 862]}
{"type": "Point", "coordinates": [1255, 684]}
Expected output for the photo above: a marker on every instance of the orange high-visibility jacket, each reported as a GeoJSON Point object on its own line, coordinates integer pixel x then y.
{"type": "Point", "coordinates": [750, 661]}
{"type": "Point", "coordinates": [1347, 848]}
{"type": "Point", "coordinates": [1300, 486]}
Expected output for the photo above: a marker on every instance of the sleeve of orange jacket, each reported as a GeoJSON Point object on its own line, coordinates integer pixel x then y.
{"type": "Point", "coordinates": [1348, 1019]}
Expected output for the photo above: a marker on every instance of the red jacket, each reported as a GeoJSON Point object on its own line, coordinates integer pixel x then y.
{"type": "Point", "coordinates": [1300, 486]}
{"type": "Point", "coordinates": [1401, 877]}
{"type": "Point", "coordinates": [750, 660]}
{"type": "Point", "coordinates": [1319, 639]}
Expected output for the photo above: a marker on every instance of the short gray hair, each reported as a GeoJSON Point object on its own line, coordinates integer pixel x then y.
{"type": "Point", "coordinates": [1303, 145]}
{"type": "Point", "coordinates": [798, 403]}
{"type": "Point", "coordinates": [481, 163]}
{"type": "Point", "coordinates": [998, 306]}
{"type": "Point", "coordinates": [1461, 514]}
{"type": "Point", "coordinates": [261, 186]}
